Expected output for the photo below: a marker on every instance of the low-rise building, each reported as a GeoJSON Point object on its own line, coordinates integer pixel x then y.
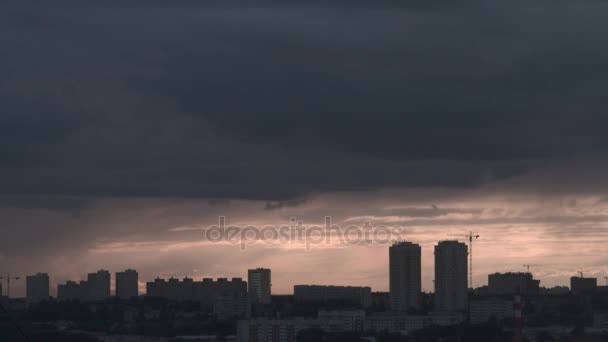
{"type": "Point", "coordinates": [512, 283]}
{"type": "Point", "coordinates": [399, 322]}
{"type": "Point", "coordinates": [352, 320]}
{"type": "Point", "coordinates": [37, 288]}
{"type": "Point", "coordinates": [484, 310]}
{"type": "Point", "coordinates": [554, 291]}
{"type": "Point", "coordinates": [321, 294]}
{"type": "Point", "coordinates": [225, 298]}
{"type": "Point", "coordinates": [286, 330]}
{"type": "Point", "coordinates": [72, 290]}
{"type": "Point", "coordinates": [381, 301]}
{"type": "Point", "coordinates": [395, 322]}
{"type": "Point", "coordinates": [600, 321]}
{"type": "Point", "coordinates": [580, 285]}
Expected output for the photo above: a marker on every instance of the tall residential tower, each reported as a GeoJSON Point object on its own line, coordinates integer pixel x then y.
{"type": "Point", "coordinates": [127, 284]}
{"type": "Point", "coordinates": [451, 276]}
{"type": "Point", "coordinates": [405, 277]}
{"type": "Point", "coordinates": [259, 285]}
{"type": "Point", "coordinates": [98, 285]}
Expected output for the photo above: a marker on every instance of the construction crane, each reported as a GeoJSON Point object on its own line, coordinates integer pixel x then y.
{"type": "Point", "coordinates": [527, 266]}
{"type": "Point", "coordinates": [8, 279]}
{"type": "Point", "coordinates": [470, 237]}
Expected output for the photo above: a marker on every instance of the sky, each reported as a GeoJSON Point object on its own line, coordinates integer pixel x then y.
{"type": "Point", "coordinates": [127, 128]}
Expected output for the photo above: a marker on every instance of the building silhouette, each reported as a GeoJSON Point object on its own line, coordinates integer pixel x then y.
{"type": "Point", "coordinates": [579, 285]}
{"type": "Point", "coordinates": [487, 309]}
{"type": "Point", "coordinates": [259, 285]}
{"type": "Point", "coordinates": [98, 285]}
{"type": "Point", "coordinates": [72, 290]}
{"type": "Point", "coordinates": [127, 284]}
{"type": "Point", "coordinates": [225, 298]}
{"type": "Point", "coordinates": [451, 289]}
{"type": "Point", "coordinates": [328, 294]}
{"type": "Point", "coordinates": [512, 283]}
{"type": "Point", "coordinates": [172, 289]}
{"type": "Point", "coordinates": [37, 288]}
{"type": "Point", "coordinates": [286, 330]}
{"type": "Point", "coordinates": [405, 276]}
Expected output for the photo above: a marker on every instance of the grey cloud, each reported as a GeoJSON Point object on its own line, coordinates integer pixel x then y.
{"type": "Point", "coordinates": [431, 212]}
{"type": "Point", "coordinates": [562, 223]}
{"type": "Point", "coordinates": [71, 205]}
{"type": "Point", "coordinates": [284, 204]}
{"type": "Point", "coordinates": [220, 99]}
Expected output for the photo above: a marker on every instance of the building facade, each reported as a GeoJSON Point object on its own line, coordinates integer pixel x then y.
{"type": "Point", "coordinates": [259, 285]}
{"type": "Point", "coordinates": [98, 285]}
{"type": "Point", "coordinates": [72, 290]}
{"type": "Point", "coordinates": [403, 323]}
{"type": "Point", "coordinates": [512, 283]}
{"type": "Point", "coordinates": [127, 284]}
{"type": "Point", "coordinates": [326, 294]}
{"type": "Point", "coordinates": [224, 298]}
{"type": "Point", "coordinates": [37, 288]}
{"type": "Point", "coordinates": [286, 330]}
{"type": "Point", "coordinates": [451, 289]}
{"type": "Point", "coordinates": [405, 276]}
{"type": "Point", "coordinates": [579, 285]}
{"type": "Point", "coordinates": [484, 310]}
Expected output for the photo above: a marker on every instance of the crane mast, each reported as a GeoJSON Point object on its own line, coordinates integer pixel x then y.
{"type": "Point", "coordinates": [527, 266]}
{"type": "Point", "coordinates": [8, 279]}
{"type": "Point", "coordinates": [472, 237]}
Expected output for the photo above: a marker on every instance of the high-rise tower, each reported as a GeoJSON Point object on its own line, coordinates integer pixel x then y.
{"type": "Point", "coordinates": [405, 277]}
{"type": "Point", "coordinates": [451, 276]}
{"type": "Point", "coordinates": [259, 285]}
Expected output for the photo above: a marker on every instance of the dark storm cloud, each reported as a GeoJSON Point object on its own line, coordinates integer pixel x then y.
{"type": "Point", "coordinates": [274, 100]}
{"type": "Point", "coordinates": [26, 123]}
{"type": "Point", "coordinates": [52, 203]}
{"type": "Point", "coordinates": [430, 212]}
{"type": "Point", "coordinates": [284, 204]}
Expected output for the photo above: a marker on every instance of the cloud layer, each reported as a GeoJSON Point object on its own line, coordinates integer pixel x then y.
{"type": "Point", "coordinates": [123, 121]}
{"type": "Point", "coordinates": [274, 100]}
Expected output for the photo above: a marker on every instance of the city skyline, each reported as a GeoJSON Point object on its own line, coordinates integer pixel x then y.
{"type": "Point", "coordinates": [173, 244]}
{"type": "Point", "coordinates": [255, 169]}
{"type": "Point", "coordinates": [440, 119]}
{"type": "Point", "coordinates": [450, 267]}
{"type": "Point", "coordinates": [254, 312]}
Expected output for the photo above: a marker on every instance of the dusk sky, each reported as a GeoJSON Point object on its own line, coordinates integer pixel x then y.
{"type": "Point", "coordinates": [128, 127]}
